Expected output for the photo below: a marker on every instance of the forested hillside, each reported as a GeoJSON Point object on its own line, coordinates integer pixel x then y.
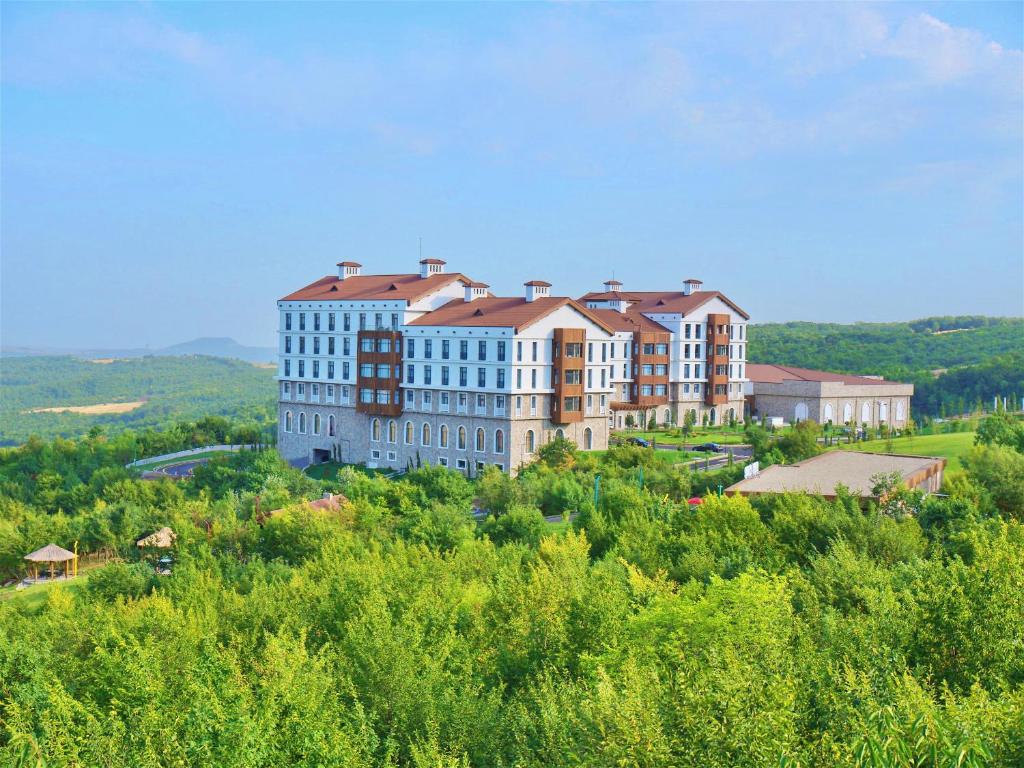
{"type": "Point", "coordinates": [398, 631]}
{"type": "Point", "coordinates": [149, 392]}
{"type": "Point", "coordinates": [920, 352]}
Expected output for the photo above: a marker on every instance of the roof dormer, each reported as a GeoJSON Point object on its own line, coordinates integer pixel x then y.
{"type": "Point", "coordinates": [536, 289]}
{"type": "Point", "coordinates": [348, 269]}
{"type": "Point", "coordinates": [476, 291]}
{"type": "Point", "coordinates": [430, 267]}
{"type": "Point", "coordinates": [691, 285]}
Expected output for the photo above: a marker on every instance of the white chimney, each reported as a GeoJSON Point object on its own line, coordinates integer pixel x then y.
{"type": "Point", "coordinates": [476, 291]}
{"type": "Point", "coordinates": [612, 286]}
{"type": "Point", "coordinates": [430, 267]}
{"type": "Point", "coordinates": [690, 285]}
{"type": "Point", "coordinates": [536, 289]}
{"type": "Point", "coordinates": [348, 269]}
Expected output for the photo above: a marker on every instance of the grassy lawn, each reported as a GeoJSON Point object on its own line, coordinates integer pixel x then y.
{"type": "Point", "coordinates": [329, 469]}
{"type": "Point", "coordinates": [722, 436]}
{"type": "Point", "coordinates": [33, 598]}
{"type": "Point", "coordinates": [183, 459]}
{"type": "Point", "coordinates": [951, 446]}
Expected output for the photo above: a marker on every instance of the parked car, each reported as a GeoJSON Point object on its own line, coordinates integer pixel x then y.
{"type": "Point", "coordinates": [637, 441]}
{"type": "Point", "coordinates": [708, 448]}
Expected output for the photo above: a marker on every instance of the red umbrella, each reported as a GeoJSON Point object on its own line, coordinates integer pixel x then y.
{"type": "Point", "coordinates": [695, 500]}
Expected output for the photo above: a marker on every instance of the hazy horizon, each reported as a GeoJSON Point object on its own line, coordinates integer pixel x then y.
{"type": "Point", "coordinates": [169, 171]}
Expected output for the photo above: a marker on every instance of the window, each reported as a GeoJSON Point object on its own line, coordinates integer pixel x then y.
{"type": "Point", "coordinates": [648, 349]}
{"type": "Point", "coordinates": [519, 377]}
{"type": "Point", "coordinates": [501, 378]}
{"type": "Point", "coordinates": [375, 454]}
{"type": "Point", "coordinates": [316, 391]}
{"type": "Point", "coordinates": [316, 421]}
{"type": "Point", "coordinates": [383, 371]}
{"type": "Point", "coordinates": [286, 387]}
{"type": "Point", "coordinates": [427, 373]}
{"type": "Point", "coordinates": [442, 461]}
{"type": "Point", "coordinates": [721, 349]}
{"type": "Point", "coordinates": [287, 345]}
{"type": "Point", "coordinates": [302, 368]}
{"type": "Point", "coordinates": [409, 433]}
{"type": "Point", "coordinates": [590, 351]}
{"type": "Point", "coordinates": [481, 403]}
{"type": "Point", "coordinates": [366, 395]}
{"type": "Point", "coordinates": [499, 441]}
{"type": "Point", "coordinates": [346, 370]}
{"type": "Point", "coordinates": [287, 321]}
{"type": "Point", "coordinates": [461, 403]}
{"type": "Point", "coordinates": [392, 431]}
{"type": "Point", "coordinates": [366, 370]}
{"type": "Point", "coordinates": [302, 345]}
{"type": "Point", "coordinates": [410, 374]}
{"type": "Point", "coordinates": [425, 434]}
{"type": "Point", "coordinates": [302, 423]}
{"type": "Point", "coordinates": [383, 396]}
{"type": "Point", "coordinates": [316, 321]}
{"type": "Point", "coordinates": [647, 370]}
{"type": "Point", "coordinates": [375, 430]}
{"type": "Point", "coordinates": [575, 350]}
{"type": "Point", "coordinates": [590, 404]}
{"type": "Point", "coordinates": [463, 350]}
{"type": "Point", "coordinates": [346, 322]}
{"type": "Point", "coordinates": [721, 389]}
{"type": "Point", "coordinates": [519, 350]}
{"type": "Point", "coordinates": [499, 405]}
{"type": "Point", "coordinates": [481, 441]}
{"type": "Point", "coordinates": [383, 345]}
{"type": "Point", "coordinates": [410, 348]}
{"type": "Point", "coordinates": [392, 456]}
{"type": "Point", "coordinates": [501, 351]}
{"type": "Point", "coordinates": [301, 389]}
{"type": "Point", "coordinates": [460, 463]}
{"type": "Point", "coordinates": [287, 421]}
{"type": "Point", "coordinates": [444, 436]}
{"type": "Point", "coordinates": [445, 349]}
{"type": "Point", "coordinates": [427, 349]}
{"type": "Point", "coordinates": [533, 378]}
{"type": "Point", "coordinates": [481, 350]}
{"type": "Point", "coordinates": [330, 425]}
{"type": "Point", "coordinates": [444, 376]}
{"type": "Point", "coordinates": [530, 442]}
{"type": "Point", "coordinates": [302, 321]}
{"type": "Point", "coordinates": [287, 367]}
{"type": "Point", "coordinates": [481, 377]}
{"type": "Point", "coordinates": [330, 370]}
{"type": "Point", "coordinates": [444, 401]}
{"type": "Point", "coordinates": [519, 405]}
{"type": "Point", "coordinates": [330, 321]}
{"type": "Point", "coordinates": [572, 405]}
{"type": "Point", "coordinates": [604, 352]}
{"type": "Point", "coordinates": [574, 377]}
{"type": "Point", "coordinates": [316, 369]}
{"type": "Point", "coordinates": [660, 389]}
{"type": "Point", "coordinates": [661, 349]}
{"type": "Point", "coordinates": [346, 345]}
{"type": "Point", "coordinates": [378, 320]}
{"type": "Point", "coordinates": [366, 345]}
{"type": "Point", "coordinates": [426, 400]}
{"type": "Point", "coordinates": [410, 398]}
{"type": "Point", "coordinates": [394, 322]}
{"type": "Point", "coordinates": [535, 351]}
{"type": "Point", "coordinates": [463, 376]}
{"type": "Point", "coordinates": [533, 407]}
{"type": "Point", "coordinates": [647, 389]}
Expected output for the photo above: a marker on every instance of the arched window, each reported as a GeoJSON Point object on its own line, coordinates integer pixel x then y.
{"type": "Point", "coordinates": [481, 441]}
{"type": "Point", "coordinates": [559, 434]}
{"type": "Point", "coordinates": [713, 416]}
{"type": "Point", "coordinates": [460, 439]}
{"type": "Point", "coordinates": [425, 434]}
{"type": "Point", "coordinates": [499, 441]}
{"type": "Point", "coordinates": [847, 413]}
{"type": "Point", "coordinates": [899, 410]}
{"type": "Point", "coordinates": [375, 430]}
{"type": "Point", "coordinates": [529, 441]}
{"type": "Point", "coordinates": [444, 435]}
{"type": "Point", "coordinates": [302, 422]}
{"type": "Point", "coordinates": [865, 413]}
{"type": "Point", "coordinates": [287, 421]}
{"type": "Point", "coordinates": [588, 439]}
{"type": "Point", "coordinates": [409, 433]}
{"type": "Point", "coordinates": [828, 412]}
{"type": "Point", "coordinates": [801, 411]}
{"type": "Point", "coordinates": [883, 411]}
{"type": "Point", "coordinates": [330, 425]}
{"type": "Point", "coordinates": [316, 423]}
{"type": "Point", "coordinates": [392, 431]}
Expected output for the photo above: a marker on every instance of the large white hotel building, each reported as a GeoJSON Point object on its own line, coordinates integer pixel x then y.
{"type": "Point", "coordinates": [430, 367]}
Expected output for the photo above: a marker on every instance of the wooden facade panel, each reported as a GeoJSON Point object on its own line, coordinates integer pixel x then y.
{"type": "Point", "coordinates": [568, 363]}
{"type": "Point", "coordinates": [392, 383]}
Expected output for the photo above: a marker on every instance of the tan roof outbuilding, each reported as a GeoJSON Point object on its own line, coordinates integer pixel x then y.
{"type": "Point", "coordinates": [51, 553]}
{"type": "Point", "coordinates": [776, 374]}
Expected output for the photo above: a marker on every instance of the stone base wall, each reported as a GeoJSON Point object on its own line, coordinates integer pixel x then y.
{"type": "Point", "coordinates": [677, 411]}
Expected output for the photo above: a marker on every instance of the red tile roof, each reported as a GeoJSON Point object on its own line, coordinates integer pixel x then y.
{"type": "Point", "coordinates": [503, 312]}
{"type": "Point", "coordinates": [374, 287]}
{"type": "Point", "coordinates": [539, 283]}
{"type": "Point", "coordinates": [630, 320]}
{"type": "Point", "coordinates": [665, 301]}
{"type": "Point", "coordinates": [776, 374]}
{"type": "Point", "coordinates": [348, 264]}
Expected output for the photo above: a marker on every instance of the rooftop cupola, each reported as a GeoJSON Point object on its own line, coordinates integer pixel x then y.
{"type": "Point", "coordinates": [429, 267]}
{"type": "Point", "coordinates": [476, 291]}
{"type": "Point", "coordinates": [536, 289]}
{"type": "Point", "coordinates": [691, 285]}
{"type": "Point", "coordinates": [612, 286]}
{"type": "Point", "coordinates": [348, 269]}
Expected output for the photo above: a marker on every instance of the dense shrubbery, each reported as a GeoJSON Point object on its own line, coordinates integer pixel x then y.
{"type": "Point", "coordinates": [398, 631]}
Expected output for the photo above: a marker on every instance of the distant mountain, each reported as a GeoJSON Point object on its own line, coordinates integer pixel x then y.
{"type": "Point", "coordinates": [211, 346]}
{"type": "Point", "coordinates": [222, 347]}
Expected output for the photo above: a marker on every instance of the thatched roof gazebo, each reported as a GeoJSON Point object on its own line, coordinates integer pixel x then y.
{"type": "Point", "coordinates": [162, 539]}
{"type": "Point", "coordinates": [52, 554]}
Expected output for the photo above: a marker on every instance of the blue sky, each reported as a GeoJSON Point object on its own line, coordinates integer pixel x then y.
{"type": "Point", "coordinates": [169, 170]}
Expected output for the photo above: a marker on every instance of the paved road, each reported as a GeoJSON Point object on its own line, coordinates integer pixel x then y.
{"type": "Point", "coordinates": [182, 470]}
